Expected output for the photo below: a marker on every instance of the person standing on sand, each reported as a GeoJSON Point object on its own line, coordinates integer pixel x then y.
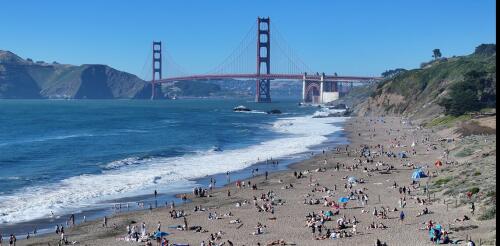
{"type": "Point", "coordinates": [105, 222]}
{"type": "Point", "coordinates": [401, 216]}
{"type": "Point", "coordinates": [186, 224]}
{"type": "Point", "coordinates": [143, 229]}
{"type": "Point", "coordinates": [267, 174]}
{"type": "Point", "coordinates": [158, 228]}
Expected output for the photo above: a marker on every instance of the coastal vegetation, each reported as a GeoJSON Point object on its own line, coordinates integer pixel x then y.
{"type": "Point", "coordinates": [444, 86]}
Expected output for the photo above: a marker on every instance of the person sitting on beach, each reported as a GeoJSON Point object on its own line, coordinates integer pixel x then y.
{"type": "Point", "coordinates": [371, 226]}
{"type": "Point", "coordinates": [236, 221]}
{"type": "Point", "coordinates": [381, 226]}
{"type": "Point", "coordinates": [259, 229]}
{"type": "Point", "coordinates": [462, 219]}
{"type": "Point", "coordinates": [424, 211]}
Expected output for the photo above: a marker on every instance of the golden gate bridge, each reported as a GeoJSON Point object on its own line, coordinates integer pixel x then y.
{"type": "Point", "coordinates": [252, 60]}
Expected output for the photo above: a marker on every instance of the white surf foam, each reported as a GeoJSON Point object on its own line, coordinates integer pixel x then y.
{"type": "Point", "coordinates": [133, 176]}
{"type": "Point", "coordinates": [325, 112]}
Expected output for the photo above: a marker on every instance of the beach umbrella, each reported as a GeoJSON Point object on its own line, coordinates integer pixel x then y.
{"type": "Point", "coordinates": [343, 199]}
{"type": "Point", "coordinates": [352, 180]}
{"type": "Point", "coordinates": [161, 234]}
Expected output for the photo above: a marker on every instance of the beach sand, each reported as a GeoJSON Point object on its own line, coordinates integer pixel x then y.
{"type": "Point", "coordinates": [290, 217]}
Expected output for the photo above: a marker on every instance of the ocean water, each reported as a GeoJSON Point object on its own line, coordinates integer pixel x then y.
{"type": "Point", "coordinates": [59, 157]}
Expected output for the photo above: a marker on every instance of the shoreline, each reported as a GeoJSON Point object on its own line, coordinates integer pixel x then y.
{"type": "Point", "coordinates": [94, 215]}
{"type": "Point", "coordinates": [288, 218]}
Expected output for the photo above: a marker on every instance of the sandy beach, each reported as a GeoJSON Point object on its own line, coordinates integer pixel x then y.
{"type": "Point", "coordinates": [280, 203]}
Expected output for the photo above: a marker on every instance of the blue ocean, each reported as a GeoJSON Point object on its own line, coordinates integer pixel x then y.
{"type": "Point", "coordinates": [59, 157]}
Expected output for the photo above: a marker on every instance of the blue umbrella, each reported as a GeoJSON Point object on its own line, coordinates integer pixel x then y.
{"type": "Point", "coordinates": [344, 199]}
{"type": "Point", "coordinates": [161, 234]}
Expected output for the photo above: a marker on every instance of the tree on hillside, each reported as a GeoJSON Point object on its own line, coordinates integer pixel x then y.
{"type": "Point", "coordinates": [436, 53]}
{"type": "Point", "coordinates": [476, 91]}
{"type": "Point", "coordinates": [486, 49]}
{"type": "Point", "coordinates": [393, 72]}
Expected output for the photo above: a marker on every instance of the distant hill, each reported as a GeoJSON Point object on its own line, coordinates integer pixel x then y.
{"type": "Point", "coordinates": [25, 79]}
{"type": "Point", "coordinates": [455, 86]}
{"type": "Point", "coordinates": [190, 89]}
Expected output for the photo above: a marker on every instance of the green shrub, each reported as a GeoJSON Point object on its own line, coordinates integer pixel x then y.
{"type": "Point", "coordinates": [443, 181]}
{"type": "Point", "coordinates": [474, 190]}
{"type": "Point", "coordinates": [465, 152]}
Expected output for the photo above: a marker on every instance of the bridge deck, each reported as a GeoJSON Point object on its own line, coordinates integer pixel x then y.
{"type": "Point", "coordinates": [271, 76]}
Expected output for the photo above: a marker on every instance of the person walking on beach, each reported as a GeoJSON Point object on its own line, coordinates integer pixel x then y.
{"type": "Point", "coordinates": [267, 174]}
{"type": "Point", "coordinates": [105, 222]}
{"type": "Point", "coordinates": [159, 226]}
{"type": "Point", "coordinates": [401, 216]}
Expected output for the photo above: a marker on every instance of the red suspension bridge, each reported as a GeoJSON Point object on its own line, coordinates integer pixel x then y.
{"type": "Point", "coordinates": [240, 64]}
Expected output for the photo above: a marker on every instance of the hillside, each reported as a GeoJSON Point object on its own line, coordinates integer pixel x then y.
{"type": "Point", "coordinates": [424, 93]}
{"type": "Point", "coordinates": [25, 79]}
{"type": "Point", "coordinates": [456, 98]}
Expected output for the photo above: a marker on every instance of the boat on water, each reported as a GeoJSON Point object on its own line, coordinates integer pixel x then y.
{"type": "Point", "coordinates": [241, 108]}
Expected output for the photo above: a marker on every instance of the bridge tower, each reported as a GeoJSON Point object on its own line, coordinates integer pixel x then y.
{"type": "Point", "coordinates": [263, 86]}
{"type": "Point", "coordinates": [156, 67]}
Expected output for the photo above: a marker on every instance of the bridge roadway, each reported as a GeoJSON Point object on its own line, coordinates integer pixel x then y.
{"type": "Point", "coordinates": [313, 77]}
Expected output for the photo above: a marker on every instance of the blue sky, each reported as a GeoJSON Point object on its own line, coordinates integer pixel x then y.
{"type": "Point", "coordinates": [347, 37]}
